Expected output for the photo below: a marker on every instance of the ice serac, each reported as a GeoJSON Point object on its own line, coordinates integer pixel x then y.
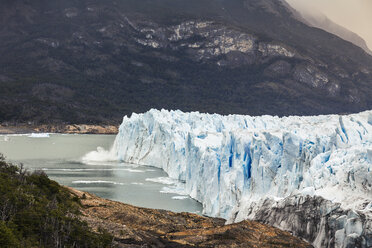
{"type": "Point", "coordinates": [308, 175]}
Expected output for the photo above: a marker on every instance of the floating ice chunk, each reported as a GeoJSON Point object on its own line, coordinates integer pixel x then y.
{"type": "Point", "coordinates": [39, 135]}
{"type": "Point", "coordinates": [135, 183]}
{"type": "Point", "coordinates": [162, 180]}
{"type": "Point", "coordinates": [135, 171]}
{"type": "Point", "coordinates": [96, 182]}
{"type": "Point", "coordinates": [93, 169]}
{"type": "Point", "coordinates": [178, 189]}
{"type": "Point", "coordinates": [180, 197]}
{"type": "Point", "coordinates": [174, 186]}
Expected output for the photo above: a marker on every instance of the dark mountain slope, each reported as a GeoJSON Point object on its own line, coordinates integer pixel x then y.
{"type": "Point", "coordinates": [94, 61]}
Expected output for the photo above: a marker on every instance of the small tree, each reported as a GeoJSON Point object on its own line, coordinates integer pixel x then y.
{"type": "Point", "coordinates": [7, 238]}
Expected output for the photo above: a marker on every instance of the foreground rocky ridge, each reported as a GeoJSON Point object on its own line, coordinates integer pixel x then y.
{"type": "Point", "coordinates": [140, 227]}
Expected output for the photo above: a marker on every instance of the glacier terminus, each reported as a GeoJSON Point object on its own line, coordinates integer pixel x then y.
{"type": "Point", "coordinates": [310, 175]}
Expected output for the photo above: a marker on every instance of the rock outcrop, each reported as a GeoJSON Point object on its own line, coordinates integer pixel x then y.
{"type": "Point", "coordinates": [59, 128]}
{"type": "Point", "coordinates": [317, 220]}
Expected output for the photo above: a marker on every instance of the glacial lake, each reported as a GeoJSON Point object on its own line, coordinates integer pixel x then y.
{"type": "Point", "coordinates": [60, 157]}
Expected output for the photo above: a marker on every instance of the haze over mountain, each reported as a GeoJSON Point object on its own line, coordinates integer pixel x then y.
{"type": "Point", "coordinates": [352, 15]}
{"type": "Point", "coordinates": [93, 61]}
{"type": "Point", "coordinates": [323, 22]}
{"type": "Point", "coordinates": [314, 18]}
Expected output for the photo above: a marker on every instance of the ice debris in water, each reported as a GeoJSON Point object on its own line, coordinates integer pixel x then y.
{"type": "Point", "coordinates": [39, 135]}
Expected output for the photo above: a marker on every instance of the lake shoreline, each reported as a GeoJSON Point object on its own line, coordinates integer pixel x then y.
{"type": "Point", "coordinates": [83, 161]}
{"type": "Point", "coordinates": [59, 128]}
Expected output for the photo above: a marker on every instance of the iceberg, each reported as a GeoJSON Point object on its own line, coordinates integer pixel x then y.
{"type": "Point", "coordinates": [266, 168]}
{"type": "Point", "coordinates": [39, 135]}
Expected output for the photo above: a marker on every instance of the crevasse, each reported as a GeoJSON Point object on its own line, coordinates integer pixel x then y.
{"type": "Point", "coordinates": [230, 162]}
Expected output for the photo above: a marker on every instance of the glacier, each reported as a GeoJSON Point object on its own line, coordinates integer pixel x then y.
{"type": "Point", "coordinates": [311, 175]}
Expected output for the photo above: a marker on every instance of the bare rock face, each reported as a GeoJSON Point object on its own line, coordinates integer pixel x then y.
{"type": "Point", "coordinates": [311, 76]}
{"type": "Point", "coordinates": [278, 69]}
{"type": "Point", "coordinates": [140, 227]}
{"type": "Point", "coordinates": [90, 129]}
{"type": "Point", "coordinates": [205, 41]}
{"type": "Point", "coordinates": [211, 40]}
{"type": "Point", "coordinates": [273, 50]}
{"type": "Point", "coordinates": [316, 220]}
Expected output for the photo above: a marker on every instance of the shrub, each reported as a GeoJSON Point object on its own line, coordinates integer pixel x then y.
{"type": "Point", "coordinates": [37, 212]}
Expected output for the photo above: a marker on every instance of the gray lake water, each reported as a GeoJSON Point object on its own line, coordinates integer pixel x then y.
{"type": "Point", "coordinates": [60, 156]}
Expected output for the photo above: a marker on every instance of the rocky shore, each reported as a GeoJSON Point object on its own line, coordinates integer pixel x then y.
{"type": "Point", "coordinates": [59, 128]}
{"type": "Point", "coordinates": [141, 227]}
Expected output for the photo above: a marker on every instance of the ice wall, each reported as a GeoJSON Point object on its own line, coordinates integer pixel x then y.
{"type": "Point", "coordinates": [235, 164]}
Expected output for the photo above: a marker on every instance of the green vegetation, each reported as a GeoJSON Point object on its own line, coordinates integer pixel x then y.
{"type": "Point", "coordinates": [37, 212]}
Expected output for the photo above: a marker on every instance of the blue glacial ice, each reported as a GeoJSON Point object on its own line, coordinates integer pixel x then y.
{"type": "Point", "coordinates": [234, 164]}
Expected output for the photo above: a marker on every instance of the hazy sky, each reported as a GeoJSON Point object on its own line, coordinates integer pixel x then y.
{"type": "Point", "coordinates": [355, 15]}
